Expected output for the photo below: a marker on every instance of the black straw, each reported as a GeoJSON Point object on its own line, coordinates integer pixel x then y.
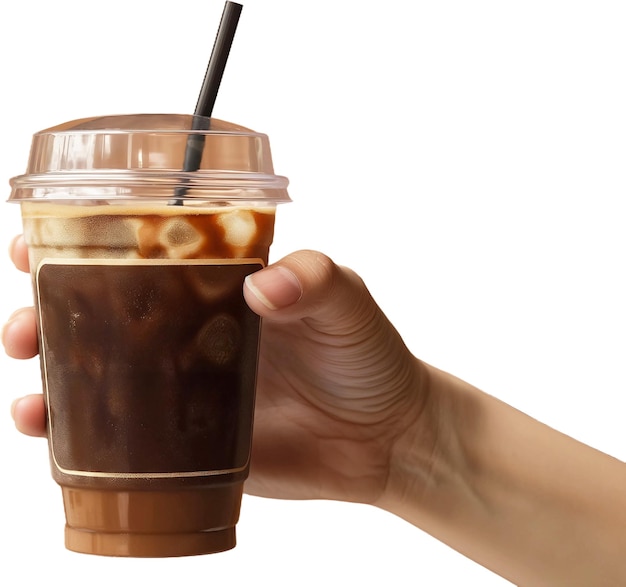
{"type": "Point", "coordinates": [208, 92]}
{"type": "Point", "coordinates": [219, 56]}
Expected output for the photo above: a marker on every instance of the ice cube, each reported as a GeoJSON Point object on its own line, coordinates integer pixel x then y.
{"type": "Point", "coordinates": [239, 227]}
{"type": "Point", "coordinates": [179, 239]}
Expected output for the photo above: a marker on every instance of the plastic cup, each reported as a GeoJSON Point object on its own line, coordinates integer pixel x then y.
{"type": "Point", "coordinates": [148, 351]}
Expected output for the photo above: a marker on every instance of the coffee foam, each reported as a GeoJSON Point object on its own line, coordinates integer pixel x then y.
{"type": "Point", "coordinates": [92, 208]}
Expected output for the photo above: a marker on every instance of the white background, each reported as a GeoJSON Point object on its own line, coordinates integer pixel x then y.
{"type": "Point", "coordinates": [467, 158]}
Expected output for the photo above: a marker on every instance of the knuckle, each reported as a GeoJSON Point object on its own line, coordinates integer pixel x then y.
{"type": "Point", "coordinates": [320, 266]}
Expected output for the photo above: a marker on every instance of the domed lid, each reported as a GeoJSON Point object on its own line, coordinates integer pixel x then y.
{"type": "Point", "coordinates": [149, 155]}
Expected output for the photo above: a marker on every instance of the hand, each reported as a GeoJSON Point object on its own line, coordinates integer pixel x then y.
{"type": "Point", "coordinates": [336, 385]}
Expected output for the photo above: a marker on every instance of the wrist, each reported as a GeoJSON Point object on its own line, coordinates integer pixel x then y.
{"type": "Point", "coordinates": [428, 467]}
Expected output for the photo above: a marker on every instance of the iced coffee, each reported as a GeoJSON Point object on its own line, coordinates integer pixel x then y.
{"type": "Point", "coordinates": [148, 349]}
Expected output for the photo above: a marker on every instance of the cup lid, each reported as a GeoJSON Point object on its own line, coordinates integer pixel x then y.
{"type": "Point", "coordinates": [149, 156]}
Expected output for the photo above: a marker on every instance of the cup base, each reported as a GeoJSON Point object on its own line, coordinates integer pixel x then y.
{"type": "Point", "coordinates": [149, 545]}
{"type": "Point", "coordinates": [152, 523]}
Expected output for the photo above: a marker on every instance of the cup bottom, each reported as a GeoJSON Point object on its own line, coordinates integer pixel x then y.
{"type": "Point", "coordinates": [149, 545]}
{"type": "Point", "coordinates": [151, 523]}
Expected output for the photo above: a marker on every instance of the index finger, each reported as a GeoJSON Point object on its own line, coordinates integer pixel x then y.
{"type": "Point", "coordinates": [18, 251]}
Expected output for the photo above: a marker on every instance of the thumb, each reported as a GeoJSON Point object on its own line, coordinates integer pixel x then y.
{"type": "Point", "coordinates": [308, 284]}
{"type": "Point", "coordinates": [345, 351]}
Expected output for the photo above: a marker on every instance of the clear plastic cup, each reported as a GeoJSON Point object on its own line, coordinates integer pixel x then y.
{"type": "Point", "coordinates": [148, 350]}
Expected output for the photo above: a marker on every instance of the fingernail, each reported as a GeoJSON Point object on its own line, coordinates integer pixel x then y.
{"type": "Point", "coordinates": [275, 287]}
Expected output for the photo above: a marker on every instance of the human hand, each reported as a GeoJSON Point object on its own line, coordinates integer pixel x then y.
{"type": "Point", "coordinates": [336, 385]}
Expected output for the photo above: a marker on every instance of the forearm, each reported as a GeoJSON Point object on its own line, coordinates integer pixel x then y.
{"type": "Point", "coordinates": [518, 497]}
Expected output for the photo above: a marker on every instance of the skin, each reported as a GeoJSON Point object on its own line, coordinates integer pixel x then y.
{"type": "Point", "coordinates": [346, 412]}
